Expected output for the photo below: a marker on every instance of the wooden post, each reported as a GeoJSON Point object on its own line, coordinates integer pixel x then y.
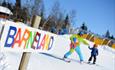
{"type": "Point", "coordinates": [26, 55]}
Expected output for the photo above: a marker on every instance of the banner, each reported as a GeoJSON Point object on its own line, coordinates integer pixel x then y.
{"type": "Point", "coordinates": [18, 37]}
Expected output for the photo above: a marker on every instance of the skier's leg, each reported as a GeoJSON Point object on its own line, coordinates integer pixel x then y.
{"type": "Point", "coordinates": [77, 49]}
{"type": "Point", "coordinates": [94, 60]}
{"type": "Point", "coordinates": [90, 59]}
{"type": "Point", "coordinates": [69, 53]}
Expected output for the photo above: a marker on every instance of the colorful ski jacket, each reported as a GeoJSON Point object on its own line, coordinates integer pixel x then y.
{"type": "Point", "coordinates": [76, 40]}
{"type": "Point", "coordinates": [94, 51]}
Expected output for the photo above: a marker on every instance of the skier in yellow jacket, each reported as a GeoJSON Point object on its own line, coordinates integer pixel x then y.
{"type": "Point", "coordinates": [75, 45]}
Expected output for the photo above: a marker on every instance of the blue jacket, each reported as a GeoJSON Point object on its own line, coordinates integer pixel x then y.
{"type": "Point", "coordinates": [94, 51]}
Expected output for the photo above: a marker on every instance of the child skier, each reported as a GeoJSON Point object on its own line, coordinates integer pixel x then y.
{"type": "Point", "coordinates": [94, 53]}
{"type": "Point", "coordinates": [75, 45]}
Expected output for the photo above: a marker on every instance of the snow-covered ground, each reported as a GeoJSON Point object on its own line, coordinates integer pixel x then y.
{"type": "Point", "coordinates": [11, 60]}
{"type": "Point", "coordinates": [105, 59]}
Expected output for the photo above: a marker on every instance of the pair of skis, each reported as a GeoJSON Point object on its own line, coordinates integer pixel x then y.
{"type": "Point", "coordinates": [68, 60]}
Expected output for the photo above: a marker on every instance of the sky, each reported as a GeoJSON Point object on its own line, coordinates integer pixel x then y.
{"type": "Point", "coordinates": [98, 15]}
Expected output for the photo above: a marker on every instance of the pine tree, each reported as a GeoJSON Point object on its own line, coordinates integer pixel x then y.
{"type": "Point", "coordinates": [66, 21]}
{"type": "Point", "coordinates": [107, 34]}
{"type": "Point", "coordinates": [66, 24]}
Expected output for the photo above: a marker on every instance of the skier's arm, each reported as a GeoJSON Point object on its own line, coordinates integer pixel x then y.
{"type": "Point", "coordinates": [73, 45]}
{"type": "Point", "coordinates": [97, 52]}
{"type": "Point", "coordinates": [85, 42]}
{"type": "Point", "coordinates": [89, 48]}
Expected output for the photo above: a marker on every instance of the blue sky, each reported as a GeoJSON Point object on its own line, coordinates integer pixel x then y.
{"type": "Point", "coordinates": [99, 15]}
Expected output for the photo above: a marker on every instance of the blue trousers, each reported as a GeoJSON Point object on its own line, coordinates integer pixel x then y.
{"type": "Point", "coordinates": [77, 50]}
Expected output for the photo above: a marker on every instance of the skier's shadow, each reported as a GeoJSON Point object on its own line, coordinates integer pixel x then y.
{"type": "Point", "coordinates": [59, 58]}
{"type": "Point", "coordinates": [50, 55]}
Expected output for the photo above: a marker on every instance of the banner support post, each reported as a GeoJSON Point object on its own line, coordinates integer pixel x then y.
{"type": "Point", "coordinates": [26, 55]}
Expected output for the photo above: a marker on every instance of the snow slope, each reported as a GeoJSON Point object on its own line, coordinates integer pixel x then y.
{"type": "Point", "coordinates": [105, 60]}
{"type": "Point", "coordinates": [11, 61]}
